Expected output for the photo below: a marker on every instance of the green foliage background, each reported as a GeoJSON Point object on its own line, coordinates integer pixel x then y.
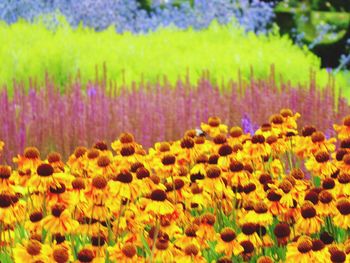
{"type": "Point", "coordinates": [28, 50]}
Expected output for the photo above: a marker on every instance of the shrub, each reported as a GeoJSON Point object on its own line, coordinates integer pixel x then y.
{"type": "Point", "coordinates": [32, 49]}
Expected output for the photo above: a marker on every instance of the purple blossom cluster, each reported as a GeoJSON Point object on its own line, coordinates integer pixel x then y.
{"type": "Point", "coordinates": [126, 15]}
{"type": "Point", "coordinates": [50, 120]}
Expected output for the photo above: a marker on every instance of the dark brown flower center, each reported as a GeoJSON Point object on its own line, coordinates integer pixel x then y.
{"type": "Point", "coordinates": [220, 139]}
{"type": "Point", "coordinates": [191, 250]}
{"type": "Point", "coordinates": [54, 157]}
{"type": "Point", "coordinates": [224, 260]}
{"type": "Point", "coordinates": [308, 131]}
{"type": "Point", "coordinates": [60, 255]}
{"type": "Point", "coordinates": [317, 245]}
{"type": "Point", "coordinates": [99, 182]}
{"type": "Point", "coordinates": [265, 127]}
{"type": "Point", "coordinates": [5, 200]}
{"type": "Point", "coordinates": [135, 166]}
{"type": "Point", "coordinates": [208, 219]}
{"type": "Point", "coordinates": [265, 178]}
{"type": "Point", "coordinates": [214, 121]}
{"type": "Point", "coordinates": [338, 256]}
{"type": "Point", "coordinates": [86, 255]}
{"type": "Point", "coordinates": [248, 228]}
{"type": "Point", "coordinates": [286, 186]}
{"type": "Point", "coordinates": [213, 159]}
{"type": "Point", "coordinates": [199, 140]}
{"type": "Point", "coordinates": [347, 121]}
{"type": "Point", "coordinates": [142, 172]}
{"type": "Point", "coordinates": [129, 250]}
{"type": "Point", "coordinates": [312, 196]}
{"type": "Point", "coordinates": [191, 230]}
{"type": "Point", "coordinates": [276, 119]}
{"type": "Point", "coordinates": [78, 183]}
{"type": "Point", "coordinates": [308, 211]}
{"type": "Point", "coordinates": [236, 132]}
{"type": "Point", "coordinates": [325, 197]}
{"type": "Point", "coordinates": [162, 244]}
{"type": "Point", "coordinates": [225, 150]}
{"type": "Point", "coordinates": [227, 235]}
{"type": "Point", "coordinates": [318, 137]}
{"type": "Point", "coordinates": [260, 207]}
{"type": "Point", "coordinates": [345, 144]}
{"type": "Point", "coordinates": [124, 177]}
{"type": "Point", "coordinates": [273, 196]}
{"type": "Point", "coordinates": [236, 166]}
{"type": "Point", "coordinates": [59, 189]}
{"type": "Point", "coordinates": [237, 147]}
{"type": "Point", "coordinates": [328, 183]}
{"type": "Point", "coordinates": [248, 246]}
{"type": "Point", "coordinates": [265, 259]}
{"type": "Point", "coordinates": [31, 153]}
{"type": "Point", "coordinates": [213, 172]}
{"type": "Point", "coordinates": [187, 143]}
{"type": "Point", "coordinates": [286, 113]}
{"type": "Point", "coordinates": [33, 247]}
{"type": "Point", "coordinates": [326, 238]}
{"type": "Point", "coordinates": [158, 195]}
{"type": "Point", "coordinates": [250, 187]}
{"type": "Point", "coordinates": [45, 169]}
{"type": "Point", "coordinates": [322, 157]}
{"type": "Point", "coordinates": [93, 154]}
{"type": "Point", "coordinates": [258, 138]}
{"type": "Point", "coordinates": [168, 159]}
{"type": "Point", "coordinates": [282, 230]}
{"type": "Point", "coordinates": [126, 137]}
{"type": "Point", "coordinates": [304, 246]}
{"type": "Point", "coordinates": [103, 161]}
{"type": "Point", "coordinates": [127, 150]}
{"type": "Point", "coordinates": [344, 178]}
{"type": "Point", "coordinates": [59, 238]}
{"type": "Point", "coordinates": [297, 173]}
{"type": "Point", "coordinates": [98, 241]}
{"type": "Point", "coordinates": [202, 159]}
{"type": "Point", "coordinates": [57, 209]}
{"type": "Point", "coordinates": [340, 154]}
{"type": "Point", "coordinates": [343, 205]}
{"type": "Point", "coordinates": [101, 145]}
{"type": "Point", "coordinates": [5, 172]}
{"type": "Point", "coordinates": [164, 147]}
{"type": "Point", "coordinates": [271, 139]}
{"type": "Point", "coordinates": [36, 216]}
{"type": "Point", "coordinates": [80, 151]}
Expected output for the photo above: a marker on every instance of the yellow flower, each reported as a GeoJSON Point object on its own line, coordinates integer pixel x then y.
{"type": "Point", "coordinates": [320, 165]}
{"type": "Point", "coordinates": [59, 221]}
{"type": "Point", "coordinates": [343, 130]}
{"type": "Point", "coordinates": [342, 218]}
{"type": "Point", "coordinates": [124, 253]}
{"type": "Point", "coordinates": [308, 222]}
{"type": "Point", "coordinates": [214, 127]}
{"type": "Point", "coordinates": [43, 179]}
{"type": "Point", "coordinates": [31, 251]}
{"type": "Point", "coordinates": [158, 205]}
{"type": "Point", "coordinates": [300, 251]}
{"type": "Point", "coordinates": [191, 253]}
{"type": "Point", "coordinates": [227, 243]}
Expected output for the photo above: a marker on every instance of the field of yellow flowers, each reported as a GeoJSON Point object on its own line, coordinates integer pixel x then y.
{"type": "Point", "coordinates": [215, 195]}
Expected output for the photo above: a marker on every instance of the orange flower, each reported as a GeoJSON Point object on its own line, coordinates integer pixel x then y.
{"type": "Point", "coordinates": [227, 243]}
{"type": "Point", "coordinates": [343, 130]}
{"type": "Point", "coordinates": [213, 127]}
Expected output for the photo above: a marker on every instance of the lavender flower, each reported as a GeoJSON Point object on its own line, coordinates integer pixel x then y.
{"type": "Point", "coordinates": [126, 15]}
